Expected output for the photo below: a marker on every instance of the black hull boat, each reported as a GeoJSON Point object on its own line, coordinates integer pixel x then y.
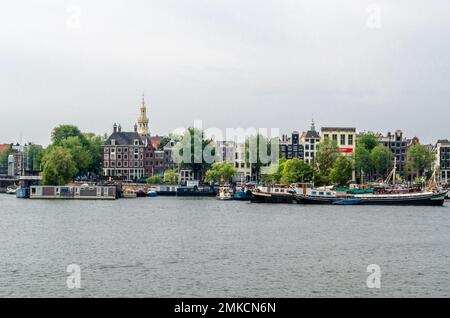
{"type": "Point", "coordinates": [264, 197]}
{"type": "Point", "coordinates": [436, 198]}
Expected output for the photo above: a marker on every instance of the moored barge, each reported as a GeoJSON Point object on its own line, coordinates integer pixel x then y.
{"type": "Point", "coordinates": [73, 192]}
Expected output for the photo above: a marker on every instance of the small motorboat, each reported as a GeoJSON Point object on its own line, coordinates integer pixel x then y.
{"type": "Point", "coordinates": [152, 194]}
{"type": "Point", "coordinates": [225, 193]}
{"type": "Point", "coordinates": [12, 189]}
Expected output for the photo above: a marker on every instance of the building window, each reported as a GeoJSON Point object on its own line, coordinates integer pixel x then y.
{"type": "Point", "coordinates": [350, 140]}
{"type": "Point", "coordinates": [106, 164]}
{"type": "Point", "coordinates": [342, 139]}
{"type": "Point", "coordinates": [335, 138]}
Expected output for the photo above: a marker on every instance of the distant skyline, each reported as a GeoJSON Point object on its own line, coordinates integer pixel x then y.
{"type": "Point", "coordinates": [375, 65]}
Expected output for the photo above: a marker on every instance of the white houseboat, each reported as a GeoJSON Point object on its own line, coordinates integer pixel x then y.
{"type": "Point", "coordinates": [73, 192]}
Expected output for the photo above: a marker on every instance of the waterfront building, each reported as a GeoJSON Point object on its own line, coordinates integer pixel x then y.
{"type": "Point", "coordinates": [399, 146]}
{"type": "Point", "coordinates": [344, 137]}
{"type": "Point", "coordinates": [310, 140]}
{"type": "Point", "coordinates": [20, 162]}
{"type": "Point", "coordinates": [123, 155]}
{"type": "Point", "coordinates": [186, 175]}
{"type": "Point", "coordinates": [443, 159]}
{"type": "Point", "coordinates": [291, 147]}
{"type": "Point", "coordinates": [244, 170]}
{"type": "Point", "coordinates": [168, 149]}
{"type": "Point", "coordinates": [153, 158]}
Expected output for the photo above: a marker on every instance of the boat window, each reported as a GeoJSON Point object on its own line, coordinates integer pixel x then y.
{"type": "Point", "coordinates": [314, 192]}
{"type": "Point", "coordinates": [328, 193]}
{"type": "Point", "coordinates": [320, 193]}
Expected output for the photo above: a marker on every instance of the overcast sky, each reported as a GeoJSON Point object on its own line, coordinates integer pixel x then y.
{"type": "Point", "coordinates": [376, 65]}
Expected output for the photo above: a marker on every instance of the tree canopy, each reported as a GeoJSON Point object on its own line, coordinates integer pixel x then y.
{"type": "Point", "coordinates": [220, 172]}
{"type": "Point", "coordinates": [341, 173]}
{"type": "Point", "coordinates": [419, 159]}
{"type": "Point", "coordinates": [171, 176]}
{"type": "Point", "coordinates": [59, 166]}
{"type": "Point", "coordinates": [296, 170]}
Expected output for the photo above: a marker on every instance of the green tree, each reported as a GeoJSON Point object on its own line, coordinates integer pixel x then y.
{"type": "Point", "coordinates": [171, 176]}
{"type": "Point", "coordinates": [220, 172]}
{"type": "Point", "coordinates": [154, 180]}
{"type": "Point", "coordinates": [382, 160]}
{"type": "Point", "coordinates": [94, 147]}
{"type": "Point", "coordinates": [63, 132]}
{"type": "Point", "coordinates": [419, 160]}
{"type": "Point", "coordinates": [275, 169]}
{"type": "Point", "coordinates": [369, 140]}
{"type": "Point", "coordinates": [327, 154]}
{"type": "Point", "coordinates": [363, 159]}
{"type": "Point", "coordinates": [341, 173]}
{"type": "Point", "coordinates": [296, 170]}
{"type": "Point", "coordinates": [202, 152]}
{"type": "Point", "coordinates": [79, 152]}
{"type": "Point", "coordinates": [59, 168]}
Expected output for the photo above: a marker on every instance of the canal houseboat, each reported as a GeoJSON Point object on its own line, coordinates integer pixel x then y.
{"type": "Point", "coordinates": [166, 190]}
{"type": "Point", "coordinates": [73, 192]}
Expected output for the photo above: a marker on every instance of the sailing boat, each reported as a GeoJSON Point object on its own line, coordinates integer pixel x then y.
{"type": "Point", "coordinates": [432, 195]}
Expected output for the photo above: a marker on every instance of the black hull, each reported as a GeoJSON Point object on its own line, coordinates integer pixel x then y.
{"type": "Point", "coordinates": [314, 200]}
{"type": "Point", "coordinates": [166, 193]}
{"type": "Point", "coordinates": [436, 199]}
{"type": "Point", "coordinates": [271, 198]}
{"type": "Point", "coordinates": [197, 194]}
{"type": "Point", "coordinates": [421, 202]}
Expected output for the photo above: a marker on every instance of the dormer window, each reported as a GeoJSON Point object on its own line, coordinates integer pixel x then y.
{"type": "Point", "coordinates": [113, 142]}
{"type": "Point", "coordinates": [136, 142]}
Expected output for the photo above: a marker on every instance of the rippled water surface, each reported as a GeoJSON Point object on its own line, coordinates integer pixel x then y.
{"type": "Point", "coordinates": [175, 247]}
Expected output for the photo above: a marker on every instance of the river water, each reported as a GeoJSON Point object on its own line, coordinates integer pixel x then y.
{"type": "Point", "coordinates": [186, 247]}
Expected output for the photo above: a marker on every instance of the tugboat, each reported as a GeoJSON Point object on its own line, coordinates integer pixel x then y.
{"type": "Point", "coordinates": [273, 194]}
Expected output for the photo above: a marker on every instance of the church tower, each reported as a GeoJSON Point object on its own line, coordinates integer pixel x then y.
{"type": "Point", "coordinates": [142, 121]}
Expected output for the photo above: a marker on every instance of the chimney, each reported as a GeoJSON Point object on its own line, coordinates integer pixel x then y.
{"type": "Point", "coordinates": [115, 127]}
{"type": "Point", "coordinates": [135, 127]}
{"type": "Point", "coordinates": [120, 128]}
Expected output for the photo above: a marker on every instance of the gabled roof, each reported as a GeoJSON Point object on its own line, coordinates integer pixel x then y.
{"type": "Point", "coordinates": [124, 138]}
{"type": "Point", "coordinates": [312, 134]}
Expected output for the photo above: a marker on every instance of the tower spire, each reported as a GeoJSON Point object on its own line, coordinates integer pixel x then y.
{"type": "Point", "coordinates": [313, 126]}
{"type": "Point", "coordinates": [142, 121]}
